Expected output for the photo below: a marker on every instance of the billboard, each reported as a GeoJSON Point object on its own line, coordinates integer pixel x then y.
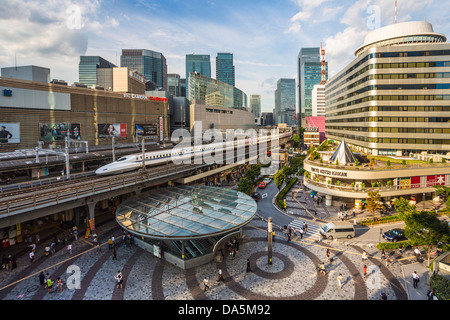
{"type": "Point", "coordinates": [147, 129]}
{"type": "Point", "coordinates": [9, 132]}
{"type": "Point", "coordinates": [118, 130]}
{"type": "Point", "coordinates": [436, 180]}
{"type": "Point", "coordinates": [59, 131]}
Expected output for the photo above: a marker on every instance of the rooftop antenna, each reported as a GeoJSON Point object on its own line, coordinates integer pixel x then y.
{"type": "Point", "coordinates": [395, 11]}
{"type": "Point", "coordinates": [15, 60]}
{"type": "Point", "coordinates": [322, 65]}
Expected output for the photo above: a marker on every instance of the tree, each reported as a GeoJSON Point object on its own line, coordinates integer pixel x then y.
{"type": "Point", "coordinates": [279, 177]}
{"type": "Point", "coordinates": [297, 140]}
{"type": "Point", "coordinates": [445, 192]}
{"type": "Point", "coordinates": [425, 228]}
{"type": "Point", "coordinates": [373, 202]}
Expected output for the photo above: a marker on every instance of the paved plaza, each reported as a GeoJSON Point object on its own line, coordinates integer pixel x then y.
{"type": "Point", "coordinates": [292, 275]}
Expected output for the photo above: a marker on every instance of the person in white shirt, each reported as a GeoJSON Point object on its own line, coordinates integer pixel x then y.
{"type": "Point", "coordinates": [416, 279]}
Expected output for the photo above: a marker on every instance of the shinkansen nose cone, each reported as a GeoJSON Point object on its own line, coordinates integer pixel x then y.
{"type": "Point", "coordinates": [102, 170]}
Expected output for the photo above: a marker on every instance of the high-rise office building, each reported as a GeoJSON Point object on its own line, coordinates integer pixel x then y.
{"type": "Point", "coordinates": [199, 86]}
{"type": "Point", "coordinates": [318, 100]}
{"type": "Point", "coordinates": [239, 98]}
{"type": "Point", "coordinates": [285, 102]}
{"type": "Point", "coordinates": [255, 105]}
{"type": "Point", "coordinates": [174, 84]}
{"type": "Point", "coordinates": [394, 97]}
{"type": "Point", "coordinates": [197, 63]}
{"type": "Point", "coordinates": [152, 65]}
{"type": "Point", "coordinates": [183, 87]}
{"type": "Point", "coordinates": [225, 68]}
{"type": "Point", "coordinates": [309, 74]}
{"type": "Point", "coordinates": [88, 66]}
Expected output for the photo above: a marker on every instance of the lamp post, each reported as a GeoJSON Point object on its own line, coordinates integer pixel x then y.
{"type": "Point", "coordinates": [269, 240]}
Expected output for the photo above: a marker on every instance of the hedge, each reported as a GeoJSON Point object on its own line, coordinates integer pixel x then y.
{"type": "Point", "coordinates": [279, 199]}
{"type": "Point", "coordinates": [441, 287]}
{"type": "Point", "coordinates": [386, 219]}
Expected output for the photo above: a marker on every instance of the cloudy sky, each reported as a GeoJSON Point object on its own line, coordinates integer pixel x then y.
{"type": "Point", "coordinates": [264, 36]}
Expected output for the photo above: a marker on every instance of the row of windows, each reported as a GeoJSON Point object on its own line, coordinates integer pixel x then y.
{"type": "Point", "coordinates": [219, 111]}
{"type": "Point", "coordinates": [392, 119]}
{"type": "Point", "coordinates": [390, 130]}
{"type": "Point", "coordinates": [393, 140]}
{"type": "Point", "coordinates": [431, 64]}
{"type": "Point", "coordinates": [418, 86]}
{"type": "Point", "coordinates": [440, 97]}
{"type": "Point", "coordinates": [388, 76]}
{"type": "Point", "coordinates": [391, 109]}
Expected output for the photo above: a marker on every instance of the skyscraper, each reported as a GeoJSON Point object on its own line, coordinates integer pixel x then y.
{"type": "Point", "coordinates": [174, 84]}
{"type": "Point", "coordinates": [309, 74]}
{"type": "Point", "coordinates": [225, 68]}
{"type": "Point", "coordinates": [255, 105]}
{"type": "Point", "coordinates": [285, 102]}
{"type": "Point", "coordinates": [152, 65]}
{"type": "Point", "coordinates": [87, 69]}
{"type": "Point", "coordinates": [197, 63]}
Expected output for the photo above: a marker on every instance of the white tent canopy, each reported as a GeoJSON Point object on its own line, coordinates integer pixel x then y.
{"type": "Point", "coordinates": [343, 154]}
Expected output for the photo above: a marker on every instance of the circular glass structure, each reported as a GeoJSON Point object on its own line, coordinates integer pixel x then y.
{"type": "Point", "coordinates": [186, 212]}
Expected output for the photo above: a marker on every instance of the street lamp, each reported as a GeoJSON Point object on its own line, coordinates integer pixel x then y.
{"type": "Point", "coordinates": [269, 240]}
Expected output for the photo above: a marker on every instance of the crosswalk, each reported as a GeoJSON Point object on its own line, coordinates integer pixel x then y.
{"type": "Point", "coordinates": [312, 229]}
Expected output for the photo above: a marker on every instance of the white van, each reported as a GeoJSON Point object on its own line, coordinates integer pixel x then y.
{"type": "Point", "coordinates": [338, 229]}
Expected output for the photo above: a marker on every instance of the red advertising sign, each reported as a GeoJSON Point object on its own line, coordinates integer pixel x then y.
{"type": "Point", "coordinates": [436, 180]}
{"type": "Point", "coordinates": [415, 182]}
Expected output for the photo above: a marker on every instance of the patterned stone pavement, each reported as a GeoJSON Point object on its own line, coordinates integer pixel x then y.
{"type": "Point", "coordinates": [292, 275]}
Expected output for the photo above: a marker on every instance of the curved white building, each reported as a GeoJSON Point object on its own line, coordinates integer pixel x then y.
{"type": "Point", "coordinates": [394, 98]}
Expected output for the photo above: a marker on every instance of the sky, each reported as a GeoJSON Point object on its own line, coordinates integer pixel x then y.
{"type": "Point", "coordinates": [264, 36]}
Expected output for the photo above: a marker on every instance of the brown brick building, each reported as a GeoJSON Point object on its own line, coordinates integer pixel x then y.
{"type": "Point", "coordinates": [37, 111]}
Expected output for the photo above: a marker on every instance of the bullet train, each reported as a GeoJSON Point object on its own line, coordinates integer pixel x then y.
{"type": "Point", "coordinates": [134, 161]}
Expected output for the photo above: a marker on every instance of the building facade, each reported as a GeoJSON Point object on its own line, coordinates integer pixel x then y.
{"type": "Point", "coordinates": [30, 73]}
{"type": "Point", "coordinates": [200, 63]}
{"type": "Point", "coordinates": [55, 111]}
{"type": "Point", "coordinates": [221, 118]}
{"type": "Point", "coordinates": [88, 69]}
{"type": "Point", "coordinates": [394, 97]}
{"type": "Point", "coordinates": [174, 84]}
{"type": "Point", "coordinates": [255, 105]}
{"type": "Point", "coordinates": [309, 74]}
{"type": "Point", "coordinates": [318, 100]}
{"type": "Point", "coordinates": [285, 102]}
{"type": "Point", "coordinates": [225, 71]}
{"type": "Point", "coordinates": [199, 86]}
{"type": "Point", "coordinates": [152, 65]}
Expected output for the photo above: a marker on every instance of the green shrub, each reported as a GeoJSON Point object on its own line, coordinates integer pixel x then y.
{"type": "Point", "coordinates": [279, 200]}
{"type": "Point", "coordinates": [441, 287]}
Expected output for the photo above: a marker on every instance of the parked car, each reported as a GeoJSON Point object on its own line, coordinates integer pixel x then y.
{"type": "Point", "coordinates": [256, 196]}
{"type": "Point", "coordinates": [394, 235]}
{"type": "Point", "coordinates": [262, 185]}
{"type": "Point", "coordinates": [267, 181]}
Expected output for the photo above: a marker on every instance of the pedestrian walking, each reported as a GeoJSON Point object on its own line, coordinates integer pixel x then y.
{"type": "Point", "coordinates": [124, 241]}
{"type": "Point", "coordinates": [339, 280]}
{"type": "Point", "coordinates": [129, 239]}
{"type": "Point", "coordinates": [289, 236]}
{"type": "Point", "coordinates": [119, 279]}
{"type": "Point", "coordinates": [305, 227]}
{"type": "Point", "coordinates": [99, 247]}
{"type": "Point", "coordinates": [69, 248]}
{"type": "Point", "coordinates": [31, 255]}
{"type": "Point", "coordinates": [416, 279]}
{"type": "Point", "coordinates": [47, 250]}
{"type": "Point", "coordinates": [113, 241]}
{"type": "Point", "coordinates": [249, 269]}
{"type": "Point", "coordinates": [38, 238]}
{"type": "Point", "coordinates": [110, 244]}
{"type": "Point", "coordinates": [205, 284]}
{"type": "Point", "coordinates": [321, 268]}
{"type": "Point", "coordinates": [365, 271]}
{"type": "Point", "coordinates": [50, 284]}
{"type": "Point", "coordinates": [114, 254]}
{"type": "Point", "coordinates": [41, 277]}
{"type": "Point", "coordinates": [219, 272]}
{"type": "Point", "coordinates": [59, 285]}
{"type": "Point", "coordinates": [329, 259]}
{"type": "Point", "coordinates": [364, 256]}
{"type": "Point", "coordinates": [388, 260]}
{"type": "Point", "coordinates": [430, 294]}
{"type": "Point", "coordinates": [295, 232]}
{"type": "Point", "coordinates": [301, 233]}
{"type": "Point", "coordinates": [47, 276]}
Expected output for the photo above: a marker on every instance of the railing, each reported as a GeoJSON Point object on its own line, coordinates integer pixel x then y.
{"type": "Point", "coordinates": [55, 196]}
{"type": "Point", "coordinates": [349, 188]}
{"type": "Point", "coordinates": [365, 167]}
